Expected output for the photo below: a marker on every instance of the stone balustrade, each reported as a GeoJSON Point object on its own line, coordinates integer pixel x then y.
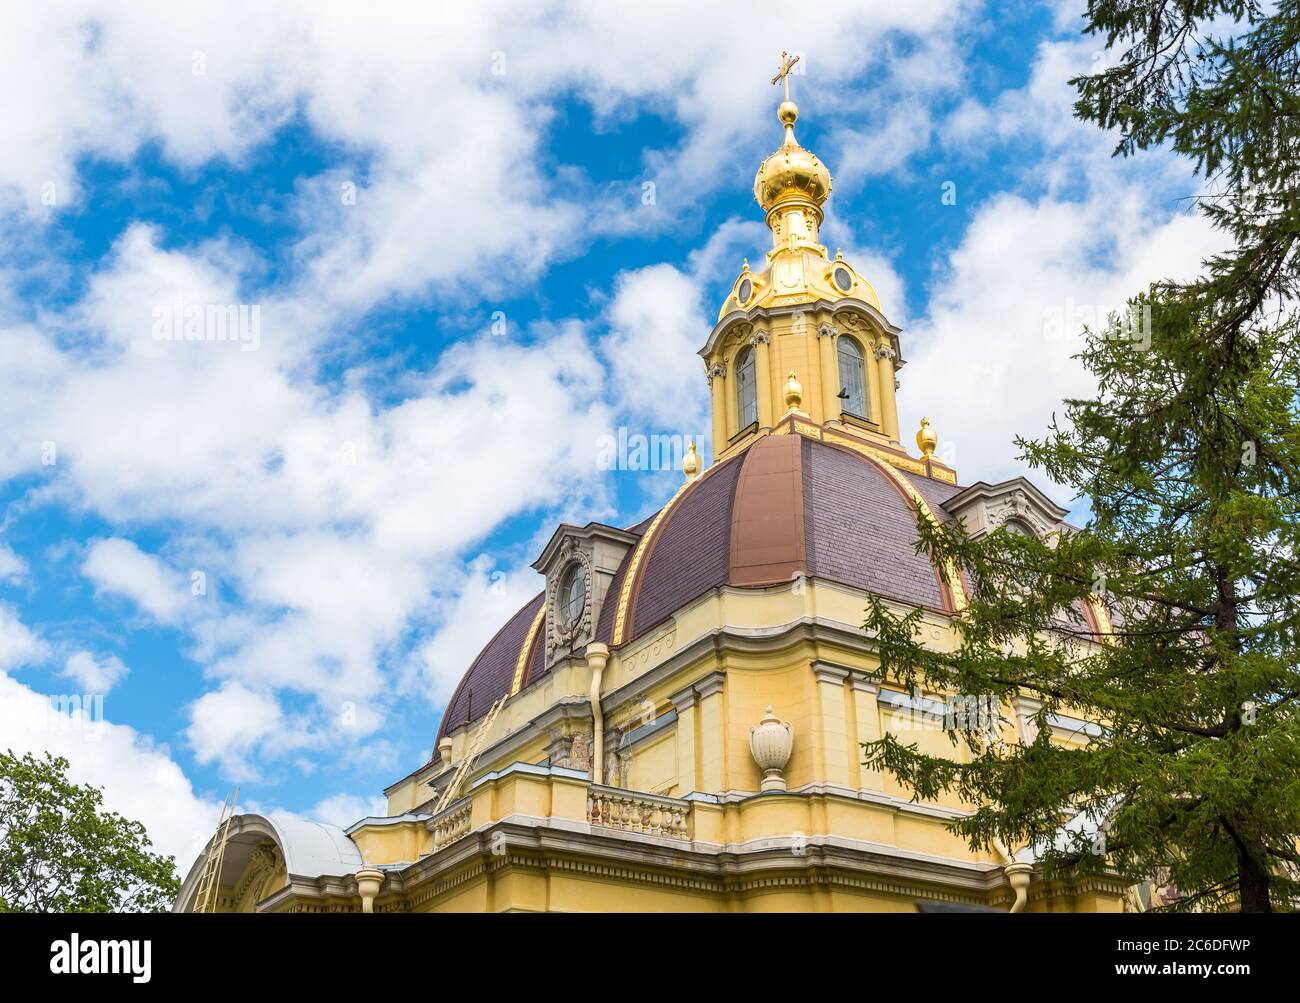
{"type": "Point", "coordinates": [451, 823]}
{"type": "Point", "coordinates": [614, 808]}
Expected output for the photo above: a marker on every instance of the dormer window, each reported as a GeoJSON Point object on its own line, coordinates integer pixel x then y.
{"type": "Point", "coordinates": [573, 596]}
{"type": "Point", "coordinates": [746, 388]}
{"type": "Point", "coordinates": [853, 381]}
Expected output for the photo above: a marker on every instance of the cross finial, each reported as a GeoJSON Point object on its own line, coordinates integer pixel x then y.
{"type": "Point", "coordinates": [787, 64]}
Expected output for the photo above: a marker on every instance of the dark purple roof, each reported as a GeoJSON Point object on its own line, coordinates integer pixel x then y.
{"type": "Point", "coordinates": [785, 501]}
{"type": "Point", "coordinates": [691, 552]}
{"type": "Point", "coordinates": [493, 671]}
{"type": "Point", "coordinates": [862, 530]}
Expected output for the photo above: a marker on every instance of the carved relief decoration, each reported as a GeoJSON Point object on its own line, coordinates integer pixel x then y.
{"type": "Point", "coordinates": [562, 637]}
{"type": "Point", "coordinates": [1016, 506]}
{"type": "Point", "coordinates": [570, 746]}
{"type": "Point", "coordinates": [266, 862]}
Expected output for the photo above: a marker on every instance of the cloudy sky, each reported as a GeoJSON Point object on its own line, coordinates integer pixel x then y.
{"type": "Point", "coordinates": [478, 237]}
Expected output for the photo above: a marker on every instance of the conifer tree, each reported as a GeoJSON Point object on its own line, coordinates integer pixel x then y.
{"type": "Point", "coordinates": [1187, 457]}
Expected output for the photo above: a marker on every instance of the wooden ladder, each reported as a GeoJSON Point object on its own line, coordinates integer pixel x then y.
{"type": "Point", "coordinates": [467, 764]}
{"type": "Point", "coordinates": [205, 900]}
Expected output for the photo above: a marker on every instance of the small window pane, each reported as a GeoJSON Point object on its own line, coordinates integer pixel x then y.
{"type": "Point", "coordinates": [853, 381]}
{"type": "Point", "coordinates": [572, 597]}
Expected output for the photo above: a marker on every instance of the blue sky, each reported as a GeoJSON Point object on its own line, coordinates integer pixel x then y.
{"type": "Point", "coordinates": [275, 564]}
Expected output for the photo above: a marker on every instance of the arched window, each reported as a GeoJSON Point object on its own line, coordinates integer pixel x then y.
{"type": "Point", "coordinates": [853, 378]}
{"type": "Point", "coordinates": [1018, 528]}
{"type": "Point", "coordinates": [573, 596]}
{"type": "Point", "coordinates": [746, 388]}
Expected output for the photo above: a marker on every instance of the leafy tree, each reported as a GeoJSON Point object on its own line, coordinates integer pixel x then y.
{"type": "Point", "coordinates": [1188, 454]}
{"type": "Point", "coordinates": [59, 852]}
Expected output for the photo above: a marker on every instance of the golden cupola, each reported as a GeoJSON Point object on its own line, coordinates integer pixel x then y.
{"type": "Point", "coordinates": [792, 177]}
{"type": "Point", "coordinates": [800, 311]}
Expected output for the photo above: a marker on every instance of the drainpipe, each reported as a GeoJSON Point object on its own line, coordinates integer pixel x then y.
{"type": "Point", "coordinates": [1018, 875]}
{"type": "Point", "coordinates": [368, 881]}
{"type": "Point", "coordinates": [597, 656]}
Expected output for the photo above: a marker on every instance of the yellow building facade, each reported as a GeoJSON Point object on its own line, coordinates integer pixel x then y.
{"type": "Point", "coordinates": [674, 723]}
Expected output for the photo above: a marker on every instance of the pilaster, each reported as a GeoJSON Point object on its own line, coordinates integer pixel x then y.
{"type": "Point", "coordinates": [833, 724]}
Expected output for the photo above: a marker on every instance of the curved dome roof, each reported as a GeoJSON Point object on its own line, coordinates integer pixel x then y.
{"type": "Point", "coordinates": [785, 507]}
{"type": "Point", "coordinates": [310, 849]}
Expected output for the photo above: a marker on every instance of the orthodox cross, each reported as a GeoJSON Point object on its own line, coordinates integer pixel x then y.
{"type": "Point", "coordinates": [787, 64]}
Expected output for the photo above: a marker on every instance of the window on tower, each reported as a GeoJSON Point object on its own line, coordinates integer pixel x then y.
{"type": "Point", "coordinates": [746, 388]}
{"type": "Point", "coordinates": [853, 380]}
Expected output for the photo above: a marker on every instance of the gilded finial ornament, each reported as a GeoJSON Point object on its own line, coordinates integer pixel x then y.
{"type": "Point", "coordinates": [691, 465]}
{"type": "Point", "coordinates": [793, 391]}
{"type": "Point", "coordinates": [926, 438]}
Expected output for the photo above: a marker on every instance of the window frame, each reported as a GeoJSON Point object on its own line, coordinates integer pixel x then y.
{"type": "Point", "coordinates": [573, 576]}
{"type": "Point", "coordinates": [861, 361]}
{"type": "Point", "coordinates": [746, 410]}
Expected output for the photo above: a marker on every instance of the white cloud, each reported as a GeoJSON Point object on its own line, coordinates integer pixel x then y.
{"type": "Point", "coordinates": [229, 723]}
{"type": "Point", "coordinates": [118, 566]}
{"type": "Point", "coordinates": [884, 146]}
{"type": "Point", "coordinates": [12, 567]}
{"type": "Point", "coordinates": [94, 674]}
{"type": "Point", "coordinates": [656, 326]}
{"type": "Point", "coordinates": [324, 519]}
{"type": "Point", "coordinates": [443, 145]}
{"type": "Point", "coordinates": [18, 644]}
{"type": "Point", "coordinates": [343, 809]}
{"type": "Point", "coordinates": [989, 360]}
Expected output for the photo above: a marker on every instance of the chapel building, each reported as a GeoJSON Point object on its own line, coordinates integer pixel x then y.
{"type": "Point", "coordinates": [674, 721]}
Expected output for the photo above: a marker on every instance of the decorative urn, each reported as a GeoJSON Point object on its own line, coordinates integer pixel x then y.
{"type": "Point", "coordinates": [770, 743]}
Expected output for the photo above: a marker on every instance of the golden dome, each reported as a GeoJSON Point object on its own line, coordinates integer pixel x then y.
{"type": "Point", "coordinates": [791, 173]}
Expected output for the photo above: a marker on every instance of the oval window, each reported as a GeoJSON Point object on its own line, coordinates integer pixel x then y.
{"type": "Point", "coordinates": [843, 279]}
{"type": "Point", "coordinates": [573, 596]}
{"type": "Point", "coordinates": [743, 293]}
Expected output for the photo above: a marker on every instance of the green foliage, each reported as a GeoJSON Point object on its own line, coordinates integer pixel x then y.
{"type": "Point", "coordinates": [59, 852]}
{"type": "Point", "coordinates": [1189, 456]}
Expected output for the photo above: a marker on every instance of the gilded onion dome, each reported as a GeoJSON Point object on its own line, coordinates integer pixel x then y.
{"type": "Point", "coordinates": [792, 173]}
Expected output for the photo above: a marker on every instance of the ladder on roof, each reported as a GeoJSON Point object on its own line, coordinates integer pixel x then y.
{"type": "Point", "coordinates": [467, 764]}
{"type": "Point", "coordinates": [205, 899]}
